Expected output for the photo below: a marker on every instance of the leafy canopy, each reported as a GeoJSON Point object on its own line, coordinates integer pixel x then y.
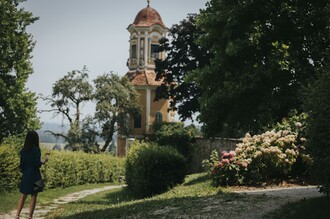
{"type": "Point", "coordinates": [17, 104]}
{"type": "Point", "coordinates": [263, 53]}
{"type": "Point", "coordinates": [115, 99]}
{"type": "Point", "coordinates": [317, 105]}
{"type": "Point", "coordinates": [68, 95]}
{"type": "Point", "coordinates": [184, 55]}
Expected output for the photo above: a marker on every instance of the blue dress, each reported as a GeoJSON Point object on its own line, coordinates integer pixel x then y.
{"type": "Point", "coordinates": [30, 164]}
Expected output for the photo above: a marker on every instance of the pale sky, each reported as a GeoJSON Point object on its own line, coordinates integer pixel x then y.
{"type": "Point", "coordinates": [72, 33]}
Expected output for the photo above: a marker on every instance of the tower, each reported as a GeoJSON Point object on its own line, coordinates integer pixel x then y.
{"type": "Point", "coordinates": [145, 33]}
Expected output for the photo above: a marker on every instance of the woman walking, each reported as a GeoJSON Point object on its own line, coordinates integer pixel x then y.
{"type": "Point", "coordinates": [30, 162]}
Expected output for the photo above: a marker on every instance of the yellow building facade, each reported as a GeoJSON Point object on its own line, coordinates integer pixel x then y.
{"type": "Point", "coordinates": [145, 33]}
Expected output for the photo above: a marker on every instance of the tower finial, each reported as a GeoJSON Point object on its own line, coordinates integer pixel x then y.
{"type": "Point", "coordinates": [148, 3]}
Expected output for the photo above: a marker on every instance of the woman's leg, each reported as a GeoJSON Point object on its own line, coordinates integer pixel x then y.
{"type": "Point", "coordinates": [33, 203]}
{"type": "Point", "coordinates": [20, 205]}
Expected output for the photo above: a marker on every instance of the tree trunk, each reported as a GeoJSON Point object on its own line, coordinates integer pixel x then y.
{"type": "Point", "coordinates": [110, 134]}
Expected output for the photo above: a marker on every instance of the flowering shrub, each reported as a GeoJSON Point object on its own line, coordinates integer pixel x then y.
{"type": "Point", "coordinates": [271, 155]}
{"type": "Point", "coordinates": [227, 170]}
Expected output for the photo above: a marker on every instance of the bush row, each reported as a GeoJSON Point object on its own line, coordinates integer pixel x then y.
{"type": "Point", "coordinates": [75, 168]}
{"type": "Point", "coordinates": [63, 169]}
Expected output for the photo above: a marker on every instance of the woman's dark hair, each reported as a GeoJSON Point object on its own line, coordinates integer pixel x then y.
{"type": "Point", "coordinates": [31, 140]}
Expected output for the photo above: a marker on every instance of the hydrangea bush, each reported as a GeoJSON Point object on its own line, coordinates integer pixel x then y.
{"type": "Point", "coordinates": [227, 170]}
{"type": "Point", "coordinates": [259, 158]}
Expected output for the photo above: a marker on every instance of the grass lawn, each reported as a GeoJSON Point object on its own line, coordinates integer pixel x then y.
{"type": "Point", "coordinates": [308, 209]}
{"type": "Point", "coordinates": [195, 197]}
{"type": "Point", "coordinates": [8, 201]}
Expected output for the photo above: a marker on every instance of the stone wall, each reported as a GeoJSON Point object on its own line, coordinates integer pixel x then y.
{"type": "Point", "coordinates": [204, 148]}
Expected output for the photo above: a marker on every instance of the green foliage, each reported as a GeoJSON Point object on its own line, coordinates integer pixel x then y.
{"type": "Point", "coordinates": [75, 168]}
{"type": "Point", "coordinates": [227, 170]}
{"type": "Point", "coordinates": [177, 136]}
{"type": "Point", "coordinates": [9, 168]}
{"type": "Point", "coordinates": [177, 66]}
{"type": "Point", "coordinates": [151, 169]}
{"type": "Point", "coordinates": [259, 158]}
{"type": "Point", "coordinates": [295, 123]}
{"type": "Point", "coordinates": [264, 52]}
{"type": "Point", "coordinates": [15, 141]}
{"type": "Point", "coordinates": [115, 98]}
{"type": "Point", "coordinates": [68, 94]}
{"type": "Point", "coordinates": [17, 104]}
{"type": "Point", "coordinates": [63, 169]}
{"type": "Point", "coordinates": [317, 105]}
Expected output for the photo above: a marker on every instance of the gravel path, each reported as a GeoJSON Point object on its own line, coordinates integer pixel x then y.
{"type": "Point", "coordinates": [282, 196]}
{"type": "Point", "coordinates": [41, 211]}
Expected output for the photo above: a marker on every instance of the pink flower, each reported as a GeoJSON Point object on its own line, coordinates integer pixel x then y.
{"type": "Point", "coordinates": [238, 163]}
{"type": "Point", "coordinates": [224, 161]}
{"type": "Point", "coordinates": [232, 159]}
{"type": "Point", "coordinates": [224, 152]}
{"type": "Point", "coordinates": [232, 153]}
{"type": "Point", "coordinates": [213, 171]}
{"type": "Point", "coordinates": [219, 164]}
{"type": "Point", "coordinates": [244, 164]}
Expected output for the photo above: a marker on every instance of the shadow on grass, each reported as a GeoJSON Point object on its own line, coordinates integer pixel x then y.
{"type": "Point", "coordinates": [307, 208]}
{"type": "Point", "coordinates": [121, 204]}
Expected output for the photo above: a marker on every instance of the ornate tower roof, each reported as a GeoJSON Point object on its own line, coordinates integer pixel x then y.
{"type": "Point", "coordinates": [148, 17]}
{"type": "Point", "coordinates": [146, 31]}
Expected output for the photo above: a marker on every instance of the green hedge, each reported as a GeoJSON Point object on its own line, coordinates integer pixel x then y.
{"type": "Point", "coordinates": [76, 168]}
{"type": "Point", "coordinates": [9, 168]}
{"type": "Point", "coordinates": [151, 169]}
{"type": "Point", "coordinates": [63, 169]}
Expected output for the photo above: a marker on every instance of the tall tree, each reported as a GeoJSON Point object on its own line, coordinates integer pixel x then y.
{"type": "Point", "coordinates": [317, 105]}
{"type": "Point", "coordinates": [184, 56]}
{"type": "Point", "coordinates": [264, 52]}
{"type": "Point", "coordinates": [68, 95]}
{"type": "Point", "coordinates": [115, 99]}
{"type": "Point", "coordinates": [17, 104]}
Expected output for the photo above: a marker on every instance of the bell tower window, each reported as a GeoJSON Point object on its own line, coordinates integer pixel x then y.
{"type": "Point", "coordinates": [133, 52]}
{"type": "Point", "coordinates": [154, 53]}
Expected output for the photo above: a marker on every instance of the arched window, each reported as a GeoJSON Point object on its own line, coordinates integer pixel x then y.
{"type": "Point", "coordinates": [159, 117]}
{"type": "Point", "coordinates": [137, 121]}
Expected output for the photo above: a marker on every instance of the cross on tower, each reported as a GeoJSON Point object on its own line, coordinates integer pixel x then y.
{"type": "Point", "coordinates": [148, 2]}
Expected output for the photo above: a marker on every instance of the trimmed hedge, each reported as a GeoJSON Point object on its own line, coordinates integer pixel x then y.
{"type": "Point", "coordinates": [63, 169]}
{"type": "Point", "coordinates": [75, 168]}
{"type": "Point", "coordinates": [152, 169]}
{"type": "Point", "coordinates": [9, 168]}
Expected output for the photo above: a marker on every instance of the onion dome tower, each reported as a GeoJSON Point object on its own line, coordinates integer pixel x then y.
{"type": "Point", "coordinates": [145, 33]}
